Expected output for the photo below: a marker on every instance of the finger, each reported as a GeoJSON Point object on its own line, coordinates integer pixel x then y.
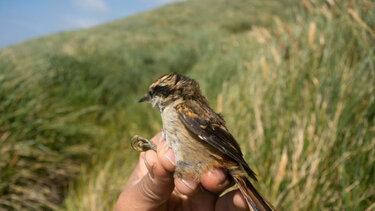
{"type": "Point", "coordinates": [168, 160]}
{"type": "Point", "coordinates": [140, 169]}
{"type": "Point", "coordinates": [141, 166]}
{"type": "Point", "coordinates": [166, 156]}
{"type": "Point", "coordinates": [138, 173]}
{"type": "Point", "coordinates": [152, 190]}
{"type": "Point", "coordinates": [231, 201]}
{"type": "Point", "coordinates": [154, 166]}
{"type": "Point", "coordinates": [215, 180]}
{"type": "Point", "coordinates": [156, 139]}
{"type": "Point", "coordinates": [202, 200]}
{"type": "Point", "coordinates": [186, 187]}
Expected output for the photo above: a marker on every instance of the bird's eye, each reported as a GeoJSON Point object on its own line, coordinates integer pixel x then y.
{"type": "Point", "coordinates": [151, 92]}
{"type": "Point", "coordinates": [161, 90]}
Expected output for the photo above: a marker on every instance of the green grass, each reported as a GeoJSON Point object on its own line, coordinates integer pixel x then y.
{"type": "Point", "coordinates": [294, 80]}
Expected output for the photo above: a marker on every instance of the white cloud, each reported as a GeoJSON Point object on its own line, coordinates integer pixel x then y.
{"type": "Point", "coordinates": [92, 5]}
{"type": "Point", "coordinates": [76, 23]}
{"type": "Point", "coordinates": [166, 1]}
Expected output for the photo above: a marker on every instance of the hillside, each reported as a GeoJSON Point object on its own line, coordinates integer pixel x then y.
{"type": "Point", "coordinates": [293, 79]}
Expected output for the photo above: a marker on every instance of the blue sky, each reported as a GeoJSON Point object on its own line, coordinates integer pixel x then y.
{"type": "Point", "coordinates": [21, 20]}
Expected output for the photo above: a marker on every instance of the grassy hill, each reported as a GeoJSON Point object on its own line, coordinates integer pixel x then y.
{"type": "Point", "coordinates": [295, 81]}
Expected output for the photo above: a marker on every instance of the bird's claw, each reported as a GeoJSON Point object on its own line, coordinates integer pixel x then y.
{"type": "Point", "coordinates": [141, 144]}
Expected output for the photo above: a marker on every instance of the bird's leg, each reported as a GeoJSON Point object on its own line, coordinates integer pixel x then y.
{"type": "Point", "coordinates": [141, 144]}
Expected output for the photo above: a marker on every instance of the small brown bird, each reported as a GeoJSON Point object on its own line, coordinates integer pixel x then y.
{"type": "Point", "coordinates": [197, 135]}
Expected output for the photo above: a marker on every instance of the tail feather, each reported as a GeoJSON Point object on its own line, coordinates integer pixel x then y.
{"type": "Point", "coordinates": [253, 197]}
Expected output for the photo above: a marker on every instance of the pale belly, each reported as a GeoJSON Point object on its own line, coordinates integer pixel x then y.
{"type": "Point", "coordinates": [193, 156]}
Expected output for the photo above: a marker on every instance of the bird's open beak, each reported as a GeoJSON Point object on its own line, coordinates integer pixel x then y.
{"type": "Point", "coordinates": [143, 99]}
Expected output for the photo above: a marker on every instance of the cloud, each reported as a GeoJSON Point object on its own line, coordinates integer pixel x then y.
{"type": "Point", "coordinates": [76, 23]}
{"type": "Point", "coordinates": [92, 5]}
{"type": "Point", "coordinates": [166, 1]}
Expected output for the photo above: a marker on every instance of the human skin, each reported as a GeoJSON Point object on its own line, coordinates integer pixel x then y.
{"type": "Point", "coordinates": [152, 186]}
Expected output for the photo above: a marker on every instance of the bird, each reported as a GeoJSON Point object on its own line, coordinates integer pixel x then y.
{"type": "Point", "coordinates": [198, 136]}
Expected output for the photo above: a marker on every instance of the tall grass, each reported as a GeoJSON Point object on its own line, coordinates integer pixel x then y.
{"type": "Point", "coordinates": [294, 80]}
{"type": "Point", "coordinates": [298, 95]}
{"type": "Point", "coordinates": [308, 118]}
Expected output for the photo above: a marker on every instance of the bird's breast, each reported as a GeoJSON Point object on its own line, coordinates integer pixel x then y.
{"type": "Point", "coordinates": [193, 156]}
{"type": "Point", "coordinates": [174, 131]}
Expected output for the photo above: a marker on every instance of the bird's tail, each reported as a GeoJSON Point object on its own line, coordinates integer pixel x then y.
{"type": "Point", "coordinates": [253, 197]}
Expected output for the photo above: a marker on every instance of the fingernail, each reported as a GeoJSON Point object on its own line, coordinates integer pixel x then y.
{"type": "Point", "coordinates": [219, 175]}
{"type": "Point", "coordinates": [170, 156]}
{"type": "Point", "coordinates": [190, 184]}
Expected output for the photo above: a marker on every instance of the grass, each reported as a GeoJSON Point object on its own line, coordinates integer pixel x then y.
{"type": "Point", "coordinates": [295, 84]}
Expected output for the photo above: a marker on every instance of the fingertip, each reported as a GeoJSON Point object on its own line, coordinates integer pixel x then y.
{"type": "Point", "coordinates": [215, 180]}
{"type": "Point", "coordinates": [149, 158]}
{"type": "Point", "coordinates": [154, 166]}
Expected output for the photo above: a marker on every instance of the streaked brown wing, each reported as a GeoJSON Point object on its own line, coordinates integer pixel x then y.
{"type": "Point", "coordinates": [209, 127]}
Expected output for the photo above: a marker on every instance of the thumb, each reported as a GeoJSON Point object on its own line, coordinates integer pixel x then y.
{"type": "Point", "coordinates": [152, 190]}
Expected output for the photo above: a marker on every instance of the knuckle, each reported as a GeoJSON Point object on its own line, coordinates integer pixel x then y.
{"type": "Point", "coordinates": [146, 190]}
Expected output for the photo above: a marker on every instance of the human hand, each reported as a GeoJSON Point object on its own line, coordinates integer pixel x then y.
{"type": "Point", "coordinates": [152, 186]}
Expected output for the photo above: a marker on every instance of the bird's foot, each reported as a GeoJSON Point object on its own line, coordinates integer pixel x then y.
{"type": "Point", "coordinates": [141, 144]}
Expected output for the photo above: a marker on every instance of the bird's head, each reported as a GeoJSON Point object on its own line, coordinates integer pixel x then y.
{"type": "Point", "coordinates": [171, 88]}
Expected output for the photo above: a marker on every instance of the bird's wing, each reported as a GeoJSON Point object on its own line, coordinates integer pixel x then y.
{"type": "Point", "coordinates": [210, 128]}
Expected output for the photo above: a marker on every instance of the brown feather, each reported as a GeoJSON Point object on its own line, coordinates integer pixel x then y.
{"type": "Point", "coordinates": [214, 133]}
{"type": "Point", "coordinates": [252, 196]}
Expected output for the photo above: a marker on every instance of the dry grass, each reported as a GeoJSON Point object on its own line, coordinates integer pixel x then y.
{"type": "Point", "coordinates": [295, 84]}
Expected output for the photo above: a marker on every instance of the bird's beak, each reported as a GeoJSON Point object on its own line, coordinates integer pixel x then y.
{"type": "Point", "coordinates": [143, 99]}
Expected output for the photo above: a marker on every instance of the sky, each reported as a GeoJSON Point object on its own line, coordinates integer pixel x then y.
{"type": "Point", "coordinates": [21, 20]}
